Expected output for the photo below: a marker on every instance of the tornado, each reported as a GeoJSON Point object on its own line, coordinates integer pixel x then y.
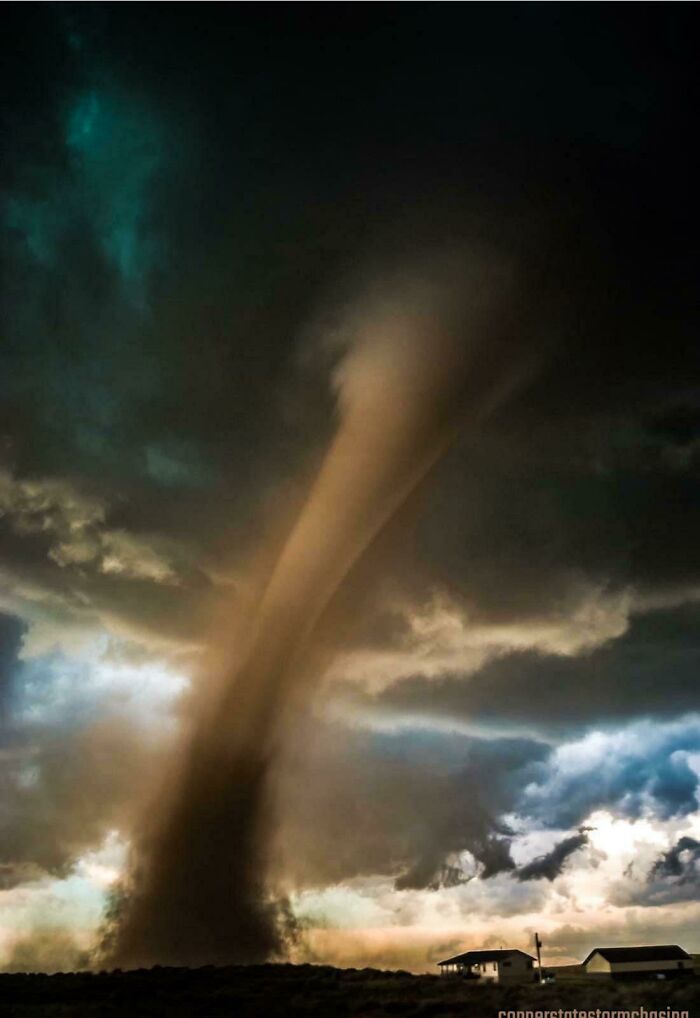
{"type": "Point", "coordinates": [424, 351]}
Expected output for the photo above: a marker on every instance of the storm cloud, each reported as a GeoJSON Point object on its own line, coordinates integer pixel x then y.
{"type": "Point", "coordinates": [403, 804]}
{"type": "Point", "coordinates": [674, 877]}
{"type": "Point", "coordinates": [650, 669]}
{"type": "Point", "coordinates": [550, 865]}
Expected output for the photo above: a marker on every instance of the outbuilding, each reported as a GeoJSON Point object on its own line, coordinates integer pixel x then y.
{"type": "Point", "coordinates": [509, 966]}
{"type": "Point", "coordinates": [665, 961]}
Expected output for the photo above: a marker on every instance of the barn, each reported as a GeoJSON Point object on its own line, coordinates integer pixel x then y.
{"type": "Point", "coordinates": [509, 966]}
{"type": "Point", "coordinates": [665, 961]}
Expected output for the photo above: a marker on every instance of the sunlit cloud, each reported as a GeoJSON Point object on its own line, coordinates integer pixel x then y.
{"type": "Point", "coordinates": [96, 682]}
{"type": "Point", "coordinates": [441, 637]}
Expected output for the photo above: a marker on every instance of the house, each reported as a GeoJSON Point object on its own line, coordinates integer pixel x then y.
{"type": "Point", "coordinates": [665, 961]}
{"type": "Point", "coordinates": [510, 966]}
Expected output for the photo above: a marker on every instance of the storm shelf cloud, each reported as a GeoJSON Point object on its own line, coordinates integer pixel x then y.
{"type": "Point", "coordinates": [348, 480]}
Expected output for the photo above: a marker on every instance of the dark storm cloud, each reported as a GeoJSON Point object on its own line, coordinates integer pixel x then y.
{"type": "Point", "coordinates": [275, 222]}
{"type": "Point", "coordinates": [550, 865]}
{"type": "Point", "coordinates": [69, 566]}
{"type": "Point", "coordinates": [650, 671]}
{"type": "Point", "coordinates": [674, 877]}
{"type": "Point", "coordinates": [680, 425]}
{"type": "Point", "coordinates": [397, 804]}
{"type": "Point", "coordinates": [679, 862]}
{"type": "Point", "coordinates": [11, 630]}
{"type": "Point", "coordinates": [574, 497]}
{"type": "Point", "coordinates": [89, 456]}
{"type": "Point", "coordinates": [196, 389]}
{"type": "Point", "coordinates": [136, 359]}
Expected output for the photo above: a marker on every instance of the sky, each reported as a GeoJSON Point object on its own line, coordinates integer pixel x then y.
{"type": "Point", "coordinates": [504, 734]}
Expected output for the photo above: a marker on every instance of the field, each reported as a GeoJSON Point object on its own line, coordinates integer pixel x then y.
{"type": "Point", "coordinates": [273, 991]}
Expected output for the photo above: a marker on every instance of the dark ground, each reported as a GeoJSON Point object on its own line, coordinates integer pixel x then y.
{"type": "Point", "coordinates": [287, 990]}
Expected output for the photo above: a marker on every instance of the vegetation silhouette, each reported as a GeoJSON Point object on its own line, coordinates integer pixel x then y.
{"type": "Point", "coordinates": [319, 990]}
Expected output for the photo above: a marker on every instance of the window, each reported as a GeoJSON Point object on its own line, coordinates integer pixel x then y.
{"type": "Point", "coordinates": [506, 964]}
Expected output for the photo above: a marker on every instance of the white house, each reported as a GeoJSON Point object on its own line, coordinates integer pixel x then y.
{"type": "Point", "coordinates": [511, 966]}
{"type": "Point", "coordinates": [663, 961]}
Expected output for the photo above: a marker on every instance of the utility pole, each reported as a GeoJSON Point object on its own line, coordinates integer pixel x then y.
{"type": "Point", "coordinates": [538, 945]}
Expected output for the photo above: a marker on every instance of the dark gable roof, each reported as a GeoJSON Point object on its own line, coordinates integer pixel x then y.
{"type": "Point", "coordinates": [474, 957]}
{"type": "Point", "coordinates": [662, 952]}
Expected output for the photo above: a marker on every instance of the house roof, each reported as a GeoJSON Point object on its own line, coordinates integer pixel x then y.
{"type": "Point", "coordinates": [660, 952]}
{"type": "Point", "coordinates": [474, 957]}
